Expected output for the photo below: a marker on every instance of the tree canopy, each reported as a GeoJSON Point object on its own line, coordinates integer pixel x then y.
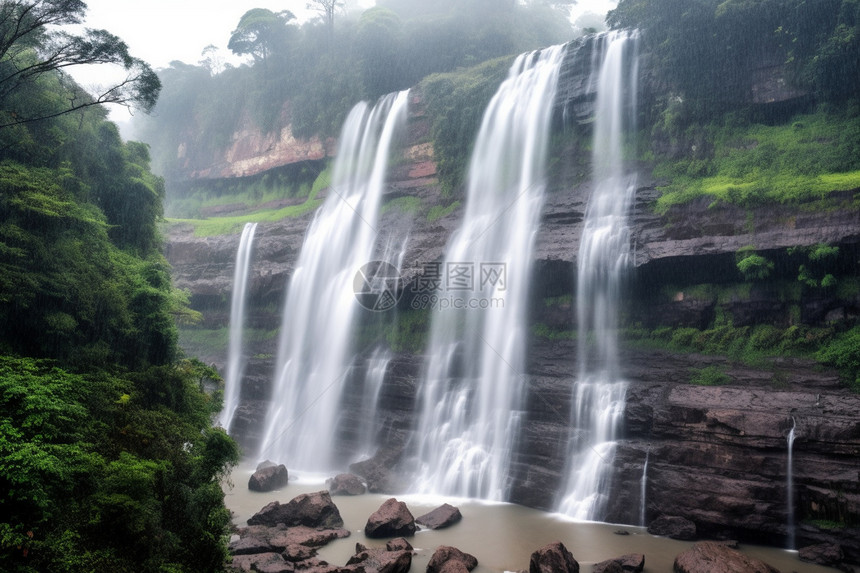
{"type": "Point", "coordinates": [35, 48]}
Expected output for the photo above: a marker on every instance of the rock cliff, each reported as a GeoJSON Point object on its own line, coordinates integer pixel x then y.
{"type": "Point", "coordinates": [717, 454]}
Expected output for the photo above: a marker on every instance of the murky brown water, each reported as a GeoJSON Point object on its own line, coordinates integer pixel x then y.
{"type": "Point", "coordinates": [501, 536]}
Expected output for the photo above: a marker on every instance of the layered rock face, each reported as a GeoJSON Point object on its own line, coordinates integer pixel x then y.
{"type": "Point", "coordinates": [717, 455]}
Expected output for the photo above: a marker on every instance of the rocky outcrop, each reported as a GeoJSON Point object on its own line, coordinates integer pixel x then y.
{"type": "Point", "coordinates": [443, 516]}
{"type": "Point", "coordinates": [630, 563]}
{"type": "Point", "coordinates": [268, 477]}
{"type": "Point", "coordinates": [553, 558]}
{"type": "Point", "coordinates": [709, 557]}
{"type": "Point", "coordinates": [674, 527]}
{"type": "Point", "coordinates": [448, 559]}
{"type": "Point", "coordinates": [307, 509]}
{"type": "Point", "coordinates": [345, 484]}
{"type": "Point", "coordinates": [251, 151]}
{"type": "Point", "coordinates": [392, 519]}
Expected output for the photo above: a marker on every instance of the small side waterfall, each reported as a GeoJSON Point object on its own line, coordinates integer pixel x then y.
{"type": "Point", "coordinates": [789, 486]}
{"type": "Point", "coordinates": [474, 381]}
{"type": "Point", "coordinates": [643, 490]}
{"type": "Point", "coordinates": [235, 358]}
{"type": "Point", "coordinates": [315, 348]}
{"type": "Point", "coordinates": [604, 253]}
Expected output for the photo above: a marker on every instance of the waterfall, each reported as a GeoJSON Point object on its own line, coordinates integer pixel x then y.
{"type": "Point", "coordinates": [238, 303]}
{"type": "Point", "coordinates": [643, 490]}
{"type": "Point", "coordinates": [315, 346]}
{"type": "Point", "coordinates": [474, 379]}
{"type": "Point", "coordinates": [604, 256]}
{"type": "Point", "coordinates": [374, 376]}
{"type": "Point", "coordinates": [789, 486]}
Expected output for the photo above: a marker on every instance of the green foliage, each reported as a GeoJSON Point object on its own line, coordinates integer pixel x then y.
{"type": "Point", "coordinates": [409, 332]}
{"type": "Point", "coordinates": [407, 205]}
{"type": "Point", "coordinates": [456, 102]}
{"type": "Point", "coordinates": [36, 44]}
{"type": "Point", "coordinates": [843, 352]}
{"type": "Point", "coordinates": [436, 212]}
{"type": "Point", "coordinates": [706, 49]}
{"type": "Point", "coordinates": [260, 32]}
{"type": "Point", "coordinates": [751, 164]}
{"type": "Point", "coordinates": [544, 331]}
{"type": "Point", "coordinates": [107, 458]}
{"type": "Point", "coordinates": [753, 266]}
{"type": "Point", "coordinates": [709, 376]}
{"type": "Point", "coordinates": [94, 478]}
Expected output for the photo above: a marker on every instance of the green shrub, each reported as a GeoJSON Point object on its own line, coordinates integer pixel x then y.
{"type": "Point", "coordinates": [709, 376]}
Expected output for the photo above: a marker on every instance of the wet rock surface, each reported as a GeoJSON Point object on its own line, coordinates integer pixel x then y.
{"type": "Point", "coordinates": [345, 484]}
{"type": "Point", "coordinates": [308, 509]}
{"type": "Point", "coordinates": [443, 516]}
{"type": "Point", "coordinates": [709, 557]}
{"type": "Point", "coordinates": [392, 519]}
{"type": "Point", "coordinates": [268, 478]}
{"type": "Point", "coordinates": [553, 558]}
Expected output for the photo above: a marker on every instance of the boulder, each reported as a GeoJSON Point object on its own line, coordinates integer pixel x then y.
{"type": "Point", "coordinates": [345, 484]}
{"type": "Point", "coordinates": [608, 566]}
{"type": "Point", "coordinates": [822, 553]}
{"type": "Point", "coordinates": [630, 563]}
{"type": "Point", "coordinates": [674, 527]}
{"type": "Point", "coordinates": [380, 560]}
{"type": "Point", "coordinates": [553, 558]}
{"type": "Point", "coordinates": [309, 509]}
{"type": "Point", "coordinates": [443, 516]}
{"type": "Point", "coordinates": [392, 519]}
{"type": "Point", "coordinates": [448, 559]}
{"type": "Point", "coordinates": [399, 544]}
{"type": "Point", "coordinates": [297, 553]}
{"type": "Point", "coordinates": [268, 478]}
{"type": "Point", "coordinates": [261, 563]}
{"type": "Point", "coordinates": [711, 557]}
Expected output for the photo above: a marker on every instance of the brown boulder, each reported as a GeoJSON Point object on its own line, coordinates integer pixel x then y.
{"type": "Point", "coordinates": [398, 544]}
{"type": "Point", "coordinates": [268, 477]}
{"type": "Point", "coordinates": [630, 563]}
{"type": "Point", "coordinates": [309, 509]}
{"type": "Point", "coordinates": [392, 519]}
{"type": "Point", "coordinates": [711, 557]}
{"type": "Point", "coordinates": [553, 558]}
{"type": "Point", "coordinates": [345, 484]}
{"type": "Point", "coordinates": [448, 559]}
{"type": "Point", "coordinates": [674, 527]}
{"type": "Point", "coordinates": [380, 560]}
{"type": "Point", "coordinates": [443, 516]}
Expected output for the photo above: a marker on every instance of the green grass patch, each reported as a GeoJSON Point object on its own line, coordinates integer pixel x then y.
{"type": "Point", "coordinates": [709, 376]}
{"type": "Point", "coordinates": [230, 225]}
{"type": "Point", "coordinates": [436, 212]}
{"type": "Point", "coordinates": [800, 161]}
{"type": "Point", "coordinates": [408, 205]}
{"type": "Point", "coordinates": [541, 330]}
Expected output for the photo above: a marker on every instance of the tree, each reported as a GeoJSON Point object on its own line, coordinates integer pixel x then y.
{"type": "Point", "coordinates": [260, 33]}
{"type": "Point", "coordinates": [326, 8]}
{"type": "Point", "coordinates": [32, 47]}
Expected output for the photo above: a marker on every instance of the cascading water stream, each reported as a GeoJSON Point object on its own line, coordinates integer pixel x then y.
{"type": "Point", "coordinates": [238, 303]}
{"type": "Point", "coordinates": [314, 353]}
{"type": "Point", "coordinates": [599, 392]}
{"type": "Point", "coordinates": [643, 490]}
{"type": "Point", "coordinates": [789, 485]}
{"type": "Point", "coordinates": [474, 382]}
{"type": "Point", "coordinates": [374, 376]}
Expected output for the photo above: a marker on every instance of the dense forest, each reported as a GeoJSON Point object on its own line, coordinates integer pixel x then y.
{"type": "Point", "coordinates": [108, 461]}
